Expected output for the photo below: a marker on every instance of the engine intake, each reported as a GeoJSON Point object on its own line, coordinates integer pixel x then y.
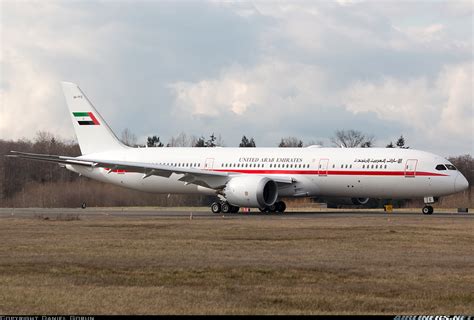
{"type": "Point", "coordinates": [251, 191]}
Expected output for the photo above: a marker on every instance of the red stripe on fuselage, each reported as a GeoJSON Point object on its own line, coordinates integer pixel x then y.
{"type": "Point", "coordinates": [333, 172]}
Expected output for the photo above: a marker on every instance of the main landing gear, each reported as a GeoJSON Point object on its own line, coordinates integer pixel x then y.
{"type": "Point", "coordinates": [278, 206]}
{"type": "Point", "coordinates": [427, 210]}
{"type": "Point", "coordinates": [224, 207]}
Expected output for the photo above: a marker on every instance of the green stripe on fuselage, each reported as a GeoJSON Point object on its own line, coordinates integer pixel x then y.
{"type": "Point", "coordinates": [80, 114]}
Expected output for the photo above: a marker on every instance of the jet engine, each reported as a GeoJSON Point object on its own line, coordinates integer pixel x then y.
{"type": "Point", "coordinates": [251, 191]}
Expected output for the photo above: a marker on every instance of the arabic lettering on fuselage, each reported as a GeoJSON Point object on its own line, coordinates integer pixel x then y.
{"type": "Point", "coordinates": [266, 160]}
{"type": "Point", "coordinates": [384, 160]}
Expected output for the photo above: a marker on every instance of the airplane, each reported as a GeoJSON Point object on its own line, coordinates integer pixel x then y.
{"type": "Point", "coordinates": [252, 177]}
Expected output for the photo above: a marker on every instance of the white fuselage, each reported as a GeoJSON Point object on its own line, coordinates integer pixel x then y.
{"type": "Point", "coordinates": [333, 172]}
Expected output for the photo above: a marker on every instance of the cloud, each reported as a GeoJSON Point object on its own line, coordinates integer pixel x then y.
{"type": "Point", "coordinates": [440, 107]}
{"type": "Point", "coordinates": [272, 85]}
{"type": "Point", "coordinates": [267, 70]}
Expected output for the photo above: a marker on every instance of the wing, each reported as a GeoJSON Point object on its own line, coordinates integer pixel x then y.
{"type": "Point", "coordinates": [206, 178]}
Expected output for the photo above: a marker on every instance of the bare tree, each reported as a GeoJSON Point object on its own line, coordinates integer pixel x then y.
{"type": "Point", "coordinates": [352, 139]}
{"type": "Point", "coordinates": [219, 142]}
{"type": "Point", "coordinates": [181, 140]}
{"type": "Point", "coordinates": [128, 138]}
{"type": "Point", "coordinates": [465, 165]}
{"type": "Point", "coordinates": [290, 142]}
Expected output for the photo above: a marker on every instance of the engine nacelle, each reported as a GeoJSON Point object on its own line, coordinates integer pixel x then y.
{"type": "Point", "coordinates": [360, 201]}
{"type": "Point", "coordinates": [251, 191]}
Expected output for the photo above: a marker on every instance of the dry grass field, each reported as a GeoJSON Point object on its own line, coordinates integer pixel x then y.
{"type": "Point", "coordinates": [379, 264]}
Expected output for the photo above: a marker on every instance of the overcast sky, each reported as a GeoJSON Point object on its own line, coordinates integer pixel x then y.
{"type": "Point", "coordinates": [262, 69]}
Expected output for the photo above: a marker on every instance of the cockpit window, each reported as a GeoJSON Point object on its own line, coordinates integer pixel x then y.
{"type": "Point", "coordinates": [440, 167]}
{"type": "Point", "coordinates": [451, 167]}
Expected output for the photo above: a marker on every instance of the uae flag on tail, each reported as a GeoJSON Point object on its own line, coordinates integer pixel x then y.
{"type": "Point", "coordinates": [86, 118]}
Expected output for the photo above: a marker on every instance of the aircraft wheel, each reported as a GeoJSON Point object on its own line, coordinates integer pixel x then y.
{"type": "Point", "coordinates": [272, 208]}
{"type": "Point", "coordinates": [216, 207]}
{"type": "Point", "coordinates": [234, 209]}
{"type": "Point", "coordinates": [83, 205]}
{"type": "Point", "coordinates": [427, 210]}
{"type": "Point", "coordinates": [280, 206]}
{"type": "Point", "coordinates": [225, 207]}
{"type": "Point", "coordinates": [264, 210]}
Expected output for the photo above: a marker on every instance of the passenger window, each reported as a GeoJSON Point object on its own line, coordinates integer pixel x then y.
{"type": "Point", "coordinates": [450, 167]}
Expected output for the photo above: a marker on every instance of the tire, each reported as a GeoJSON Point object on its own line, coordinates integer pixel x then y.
{"type": "Point", "coordinates": [427, 210]}
{"type": "Point", "coordinates": [225, 207]}
{"type": "Point", "coordinates": [263, 210]}
{"type": "Point", "coordinates": [83, 205]}
{"type": "Point", "coordinates": [272, 208]}
{"type": "Point", "coordinates": [234, 209]}
{"type": "Point", "coordinates": [280, 206]}
{"type": "Point", "coordinates": [216, 207]}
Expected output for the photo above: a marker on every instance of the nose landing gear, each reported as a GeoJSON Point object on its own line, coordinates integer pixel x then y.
{"type": "Point", "coordinates": [427, 210]}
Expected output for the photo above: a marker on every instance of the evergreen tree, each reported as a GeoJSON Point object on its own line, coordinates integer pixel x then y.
{"type": "Point", "coordinates": [290, 142]}
{"type": "Point", "coordinates": [246, 143]}
{"type": "Point", "coordinates": [401, 142]}
{"type": "Point", "coordinates": [154, 142]}
{"type": "Point", "coordinates": [211, 143]}
{"type": "Point", "coordinates": [200, 143]}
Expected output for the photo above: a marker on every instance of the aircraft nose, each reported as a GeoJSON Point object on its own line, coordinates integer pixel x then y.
{"type": "Point", "coordinates": [460, 183]}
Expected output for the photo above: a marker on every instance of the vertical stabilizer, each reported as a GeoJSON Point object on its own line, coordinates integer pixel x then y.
{"type": "Point", "coordinates": [92, 132]}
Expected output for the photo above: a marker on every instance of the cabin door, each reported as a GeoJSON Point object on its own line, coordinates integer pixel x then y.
{"type": "Point", "coordinates": [208, 165]}
{"type": "Point", "coordinates": [410, 168]}
{"type": "Point", "coordinates": [323, 167]}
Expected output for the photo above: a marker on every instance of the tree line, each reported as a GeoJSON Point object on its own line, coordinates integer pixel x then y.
{"type": "Point", "coordinates": [341, 138]}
